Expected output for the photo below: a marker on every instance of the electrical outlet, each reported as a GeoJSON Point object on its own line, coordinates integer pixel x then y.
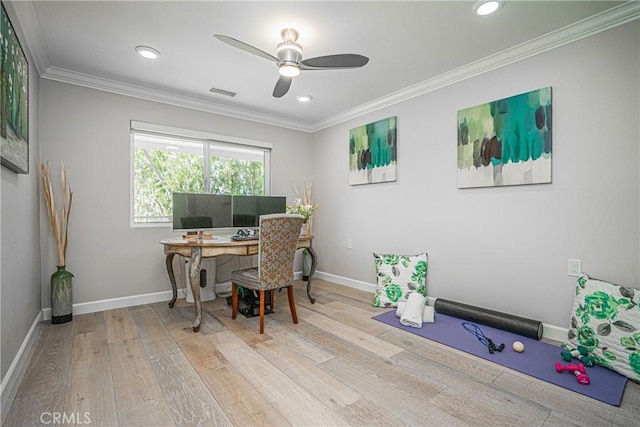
{"type": "Point", "coordinates": [574, 267]}
{"type": "Point", "coordinates": [349, 243]}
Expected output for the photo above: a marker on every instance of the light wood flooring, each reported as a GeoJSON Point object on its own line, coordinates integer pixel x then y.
{"type": "Point", "coordinates": [144, 366]}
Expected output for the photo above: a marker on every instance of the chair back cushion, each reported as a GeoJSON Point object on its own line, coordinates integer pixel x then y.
{"type": "Point", "coordinates": [279, 235]}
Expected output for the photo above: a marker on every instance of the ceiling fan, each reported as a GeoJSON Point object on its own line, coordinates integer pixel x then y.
{"type": "Point", "coordinates": [289, 59]}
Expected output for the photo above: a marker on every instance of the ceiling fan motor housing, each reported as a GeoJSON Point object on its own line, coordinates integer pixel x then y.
{"type": "Point", "coordinates": [289, 52]}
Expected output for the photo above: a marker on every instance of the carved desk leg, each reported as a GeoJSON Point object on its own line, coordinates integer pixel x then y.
{"type": "Point", "coordinates": [194, 278]}
{"type": "Point", "coordinates": [314, 265]}
{"type": "Point", "coordinates": [172, 279]}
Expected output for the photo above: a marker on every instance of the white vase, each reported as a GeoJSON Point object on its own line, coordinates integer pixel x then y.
{"type": "Point", "coordinates": [305, 230]}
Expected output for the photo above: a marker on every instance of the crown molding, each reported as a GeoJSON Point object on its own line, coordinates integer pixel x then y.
{"type": "Point", "coordinates": [28, 28]}
{"type": "Point", "coordinates": [604, 21]}
{"type": "Point", "coordinates": [120, 88]}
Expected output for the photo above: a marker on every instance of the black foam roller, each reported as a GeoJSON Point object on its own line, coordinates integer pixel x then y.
{"type": "Point", "coordinates": [503, 321]}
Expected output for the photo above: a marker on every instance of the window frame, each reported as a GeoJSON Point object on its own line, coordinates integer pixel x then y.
{"type": "Point", "coordinates": [203, 137]}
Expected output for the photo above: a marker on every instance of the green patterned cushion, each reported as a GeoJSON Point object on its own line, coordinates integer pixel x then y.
{"type": "Point", "coordinates": [605, 319]}
{"type": "Point", "coordinates": [398, 276]}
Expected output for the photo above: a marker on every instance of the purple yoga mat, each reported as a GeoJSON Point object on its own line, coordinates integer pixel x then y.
{"type": "Point", "coordinates": [538, 359]}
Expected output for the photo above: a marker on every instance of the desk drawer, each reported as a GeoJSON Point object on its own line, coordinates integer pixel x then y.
{"type": "Point", "coordinates": [209, 251]}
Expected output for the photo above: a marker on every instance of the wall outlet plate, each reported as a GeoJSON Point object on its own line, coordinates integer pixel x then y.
{"type": "Point", "coordinates": [574, 267]}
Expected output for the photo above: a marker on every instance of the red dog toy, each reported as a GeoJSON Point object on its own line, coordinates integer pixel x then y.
{"type": "Point", "coordinates": [577, 370]}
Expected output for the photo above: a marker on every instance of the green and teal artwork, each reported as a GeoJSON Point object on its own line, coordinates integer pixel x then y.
{"type": "Point", "coordinates": [373, 152]}
{"type": "Point", "coordinates": [14, 96]}
{"type": "Point", "coordinates": [506, 142]}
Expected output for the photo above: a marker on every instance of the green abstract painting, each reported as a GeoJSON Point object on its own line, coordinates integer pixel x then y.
{"type": "Point", "coordinates": [373, 152]}
{"type": "Point", "coordinates": [506, 142]}
{"type": "Point", "coordinates": [14, 96]}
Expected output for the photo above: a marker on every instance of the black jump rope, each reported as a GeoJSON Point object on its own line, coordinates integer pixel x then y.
{"type": "Point", "coordinates": [475, 330]}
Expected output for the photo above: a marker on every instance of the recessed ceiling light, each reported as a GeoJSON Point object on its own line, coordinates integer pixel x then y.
{"type": "Point", "coordinates": [304, 98]}
{"type": "Point", "coordinates": [486, 7]}
{"type": "Point", "coordinates": [147, 52]}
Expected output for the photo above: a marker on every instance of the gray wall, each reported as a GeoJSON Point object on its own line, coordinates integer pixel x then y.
{"type": "Point", "coordinates": [89, 131]}
{"type": "Point", "coordinates": [20, 285]}
{"type": "Point", "coordinates": [504, 248]}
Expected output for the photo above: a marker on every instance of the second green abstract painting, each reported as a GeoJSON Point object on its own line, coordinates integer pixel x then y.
{"type": "Point", "coordinates": [506, 142]}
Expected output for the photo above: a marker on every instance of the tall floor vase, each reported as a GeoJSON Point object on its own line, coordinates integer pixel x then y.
{"type": "Point", "coordinates": [61, 297]}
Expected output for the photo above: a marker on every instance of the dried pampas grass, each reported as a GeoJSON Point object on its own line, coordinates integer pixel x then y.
{"type": "Point", "coordinates": [59, 223]}
{"type": "Point", "coordinates": [305, 192]}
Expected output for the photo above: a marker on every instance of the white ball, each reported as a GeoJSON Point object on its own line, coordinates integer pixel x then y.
{"type": "Point", "coordinates": [518, 347]}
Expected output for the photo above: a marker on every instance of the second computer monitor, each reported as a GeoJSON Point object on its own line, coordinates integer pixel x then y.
{"type": "Point", "coordinates": [246, 210]}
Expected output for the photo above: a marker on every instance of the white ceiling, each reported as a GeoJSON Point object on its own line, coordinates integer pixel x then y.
{"type": "Point", "coordinates": [412, 46]}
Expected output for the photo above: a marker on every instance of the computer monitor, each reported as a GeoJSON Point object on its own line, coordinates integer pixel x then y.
{"type": "Point", "coordinates": [247, 209]}
{"type": "Point", "coordinates": [201, 211]}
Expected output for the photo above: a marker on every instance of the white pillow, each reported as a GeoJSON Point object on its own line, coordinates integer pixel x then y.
{"type": "Point", "coordinates": [605, 319]}
{"type": "Point", "coordinates": [398, 276]}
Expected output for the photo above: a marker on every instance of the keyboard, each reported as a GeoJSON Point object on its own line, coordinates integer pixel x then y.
{"type": "Point", "coordinates": [238, 237]}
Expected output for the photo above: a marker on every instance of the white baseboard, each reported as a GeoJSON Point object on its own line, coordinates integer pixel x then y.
{"type": "Point", "coordinates": [551, 332]}
{"type": "Point", "coordinates": [357, 284]}
{"type": "Point", "coordinates": [8, 388]}
{"type": "Point", "coordinates": [121, 302]}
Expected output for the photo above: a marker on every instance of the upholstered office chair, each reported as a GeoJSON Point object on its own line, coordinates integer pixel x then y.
{"type": "Point", "coordinates": [279, 235]}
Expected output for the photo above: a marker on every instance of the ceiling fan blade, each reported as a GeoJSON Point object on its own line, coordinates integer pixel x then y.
{"type": "Point", "coordinates": [342, 61]}
{"type": "Point", "coordinates": [246, 47]}
{"type": "Point", "coordinates": [282, 87]}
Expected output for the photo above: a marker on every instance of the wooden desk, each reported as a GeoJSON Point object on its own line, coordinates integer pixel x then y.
{"type": "Point", "coordinates": [222, 245]}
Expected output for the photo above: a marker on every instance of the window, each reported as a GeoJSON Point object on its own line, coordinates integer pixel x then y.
{"type": "Point", "coordinates": [165, 160]}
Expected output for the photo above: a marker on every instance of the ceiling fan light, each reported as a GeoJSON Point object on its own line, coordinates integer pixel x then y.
{"type": "Point", "coordinates": [289, 70]}
{"type": "Point", "coordinates": [484, 7]}
{"type": "Point", "coordinates": [304, 98]}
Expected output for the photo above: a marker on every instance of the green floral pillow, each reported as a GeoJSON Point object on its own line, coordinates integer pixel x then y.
{"type": "Point", "coordinates": [605, 319]}
{"type": "Point", "coordinates": [398, 276]}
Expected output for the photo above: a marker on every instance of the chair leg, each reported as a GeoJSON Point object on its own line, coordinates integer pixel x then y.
{"type": "Point", "coordinates": [272, 297]}
{"type": "Point", "coordinates": [234, 300]}
{"type": "Point", "coordinates": [262, 311]}
{"type": "Point", "coordinates": [292, 305]}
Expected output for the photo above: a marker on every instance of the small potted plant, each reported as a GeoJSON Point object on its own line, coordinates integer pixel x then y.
{"type": "Point", "coordinates": [304, 209]}
{"type": "Point", "coordinates": [304, 206]}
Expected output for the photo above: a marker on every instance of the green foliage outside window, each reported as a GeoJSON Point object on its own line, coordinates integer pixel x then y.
{"type": "Point", "coordinates": [237, 177]}
{"type": "Point", "coordinates": [158, 174]}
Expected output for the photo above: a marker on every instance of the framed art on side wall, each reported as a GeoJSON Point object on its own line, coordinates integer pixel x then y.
{"type": "Point", "coordinates": [506, 142]}
{"type": "Point", "coordinates": [14, 96]}
{"type": "Point", "coordinates": [373, 152]}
